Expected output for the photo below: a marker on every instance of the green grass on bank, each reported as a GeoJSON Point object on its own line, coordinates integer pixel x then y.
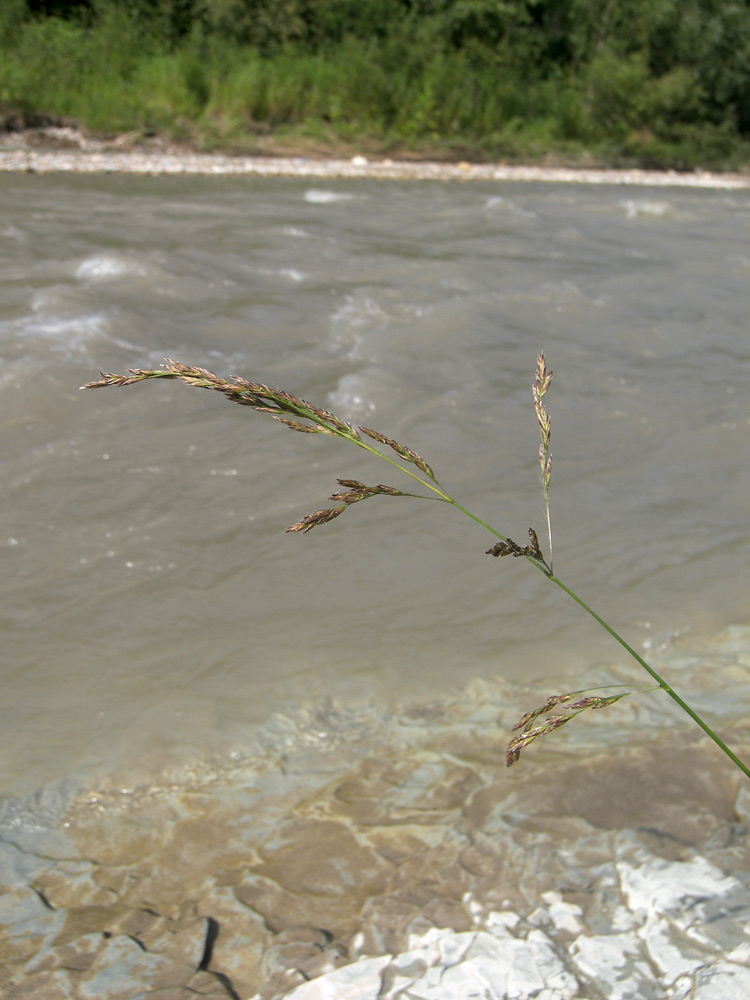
{"type": "Point", "coordinates": [401, 94]}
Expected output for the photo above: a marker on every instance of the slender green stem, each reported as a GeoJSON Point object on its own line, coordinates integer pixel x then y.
{"type": "Point", "coordinates": [549, 529]}
{"type": "Point", "coordinates": [434, 487]}
{"type": "Point", "coordinates": [656, 676]}
{"type": "Point", "coordinates": [667, 688]}
{"type": "Point", "coordinates": [260, 397]}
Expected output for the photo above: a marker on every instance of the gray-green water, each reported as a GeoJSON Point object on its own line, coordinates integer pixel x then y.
{"type": "Point", "coordinates": [153, 609]}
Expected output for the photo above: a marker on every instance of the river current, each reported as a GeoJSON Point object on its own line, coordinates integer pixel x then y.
{"type": "Point", "coordinates": [160, 630]}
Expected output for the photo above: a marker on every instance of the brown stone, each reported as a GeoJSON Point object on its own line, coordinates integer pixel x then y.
{"type": "Point", "coordinates": [281, 909]}
{"type": "Point", "coordinates": [322, 858]}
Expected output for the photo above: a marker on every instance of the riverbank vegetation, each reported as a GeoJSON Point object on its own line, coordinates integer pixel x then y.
{"type": "Point", "coordinates": [653, 83]}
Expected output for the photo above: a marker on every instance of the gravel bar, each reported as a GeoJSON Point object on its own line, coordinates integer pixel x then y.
{"type": "Point", "coordinates": [25, 160]}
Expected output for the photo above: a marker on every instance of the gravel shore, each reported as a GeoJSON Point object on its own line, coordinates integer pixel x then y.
{"type": "Point", "coordinates": [64, 150]}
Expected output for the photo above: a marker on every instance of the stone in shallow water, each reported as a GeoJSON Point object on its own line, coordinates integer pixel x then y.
{"type": "Point", "coordinates": [49, 985]}
{"type": "Point", "coordinates": [238, 939]}
{"type": "Point", "coordinates": [443, 965]}
{"type": "Point", "coordinates": [27, 924]}
{"type": "Point", "coordinates": [372, 854]}
{"type": "Point", "coordinates": [360, 981]}
{"type": "Point", "coordinates": [659, 945]}
{"type": "Point", "coordinates": [723, 981]}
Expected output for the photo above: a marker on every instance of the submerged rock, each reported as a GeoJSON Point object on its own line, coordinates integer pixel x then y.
{"type": "Point", "coordinates": [392, 856]}
{"type": "Point", "coordinates": [657, 948]}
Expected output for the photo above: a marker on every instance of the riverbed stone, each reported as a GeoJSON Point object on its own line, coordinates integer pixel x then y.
{"type": "Point", "coordinates": [121, 964]}
{"type": "Point", "coordinates": [52, 985]}
{"type": "Point", "coordinates": [238, 939]}
{"type": "Point", "coordinates": [228, 890]}
{"type": "Point", "coordinates": [360, 981]}
{"type": "Point", "coordinates": [281, 909]}
{"type": "Point", "coordinates": [321, 857]}
{"type": "Point", "coordinates": [27, 925]}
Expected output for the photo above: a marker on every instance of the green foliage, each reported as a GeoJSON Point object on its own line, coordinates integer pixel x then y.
{"type": "Point", "coordinates": [648, 81]}
{"type": "Point", "coordinates": [266, 24]}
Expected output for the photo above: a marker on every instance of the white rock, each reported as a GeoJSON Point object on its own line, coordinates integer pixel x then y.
{"type": "Point", "coordinates": [359, 981]}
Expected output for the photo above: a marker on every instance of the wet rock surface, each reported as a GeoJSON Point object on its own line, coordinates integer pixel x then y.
{"type": "Point", "coordinates": [390, 857]}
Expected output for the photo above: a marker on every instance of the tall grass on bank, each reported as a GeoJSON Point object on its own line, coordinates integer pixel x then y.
{"type": "Point", "coordinates": [413, 89]}
{"type": "Point", "coordinates": [304, 417]}
{"type": "Point", "coordinates": [113, 79]}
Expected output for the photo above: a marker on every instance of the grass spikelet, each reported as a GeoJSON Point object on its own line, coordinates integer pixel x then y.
{"type": "Point", "coordinates": [519, 743]}
{"type": "Point", "coordinates": [541, 384]}
{"type": "Point", "coordinates": [303, 428]}
{"type": "Point", "coordinates": [556, 699]}
{"type": "Point", "coordinates": [406, 453]}
{"type": "Point", "coordinates": [507, 547]}
{"type": "Point", "coordinates": [358, 491]}
{"type": "Point", "coordinates": [280, 404]}
{"type": "Point", "coordinates": [317, 517]}
{"type": "Point", "coordinates": [529, 735]}
{"type": "Point", "coordinates": [355, 491]}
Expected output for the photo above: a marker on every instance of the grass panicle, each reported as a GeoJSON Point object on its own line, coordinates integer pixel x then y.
{"type": "Point", "coordinates": [355, 491]}
{"type": "Point", "coordinates": [281, 405]}
{"type": "Point", "coordinates": [299, 415]}
{"type": "Point", "coordinates": [507, 547]}
{"type": "Point", "coordinates": [539, 390]}
{"type": "Point", "coordinates": [406, 453]}
{"type": "Point", "coordinates": [529, 735]}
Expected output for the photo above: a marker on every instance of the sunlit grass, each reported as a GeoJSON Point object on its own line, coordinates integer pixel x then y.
{"type": "Point", "coordinates": [387, 94]}
{"type": "Point", "coordinates": [307, 418]}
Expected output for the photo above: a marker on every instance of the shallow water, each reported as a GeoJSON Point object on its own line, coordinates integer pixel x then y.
{"type": "Point", "coordinates": [362, 855]}
{"type": "Point", "coordinates": [157, 622]}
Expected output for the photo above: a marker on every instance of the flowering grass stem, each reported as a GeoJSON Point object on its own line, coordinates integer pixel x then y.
{"type": "Point", "coordinates": [299, 415]}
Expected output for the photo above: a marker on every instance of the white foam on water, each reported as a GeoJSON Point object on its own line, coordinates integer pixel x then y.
{"type": "Point", "coordinates": [69, 335]}
{"type": "Point", "coordinates": [60, 320]}
{"type": "Point", "coordinates": [357, 321]}
{"type": "Point", "coordinates": [498, 202]}
{"type": "Point", "coordinates": [296, 232]}
{"type": "Point", "coordinates": [318, 196]}
{"type": "Point", "coordinates": [293, 274]}
{"type": "Point", "coordinates": [351, 396]}
{"type": "Point", "coordinates": [634, 207]}
{"type": "Point", "coordinates": [288, 273]}
{"type": "Point", "coordinates": [67, 332]}
{"type": "Point", "coordinates": [103, 267]}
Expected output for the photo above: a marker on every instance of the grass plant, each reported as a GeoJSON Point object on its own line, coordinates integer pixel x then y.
{"type": "Point", "coordinates": [419, 85]}
{"type": "Point", "coordinates": [304, 417]}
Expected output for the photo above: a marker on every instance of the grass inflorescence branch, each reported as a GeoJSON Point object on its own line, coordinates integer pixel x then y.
{"type": "Point", "coordinates": [300, 415]}
{"type": "Point", "coordinates": [529, 733]}
{"type": "Point", "coordinates": [539, 390]}
{"type": "Point", "coordinates": [355, 491]}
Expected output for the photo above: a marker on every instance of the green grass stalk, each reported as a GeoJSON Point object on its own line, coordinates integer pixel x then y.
{"type": "Point", "coordinates": [300, 415]}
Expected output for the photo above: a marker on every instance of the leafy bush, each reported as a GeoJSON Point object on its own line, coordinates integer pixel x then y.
{"type": "Point", "coordinates": [650, 81]}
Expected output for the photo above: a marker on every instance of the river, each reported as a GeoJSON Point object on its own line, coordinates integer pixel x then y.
{"type": "Point", "coordinates": [160, 628]}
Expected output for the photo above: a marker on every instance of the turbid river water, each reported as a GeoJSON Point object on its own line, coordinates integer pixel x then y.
{"type": "Point", "coordinates": [169, 653]}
